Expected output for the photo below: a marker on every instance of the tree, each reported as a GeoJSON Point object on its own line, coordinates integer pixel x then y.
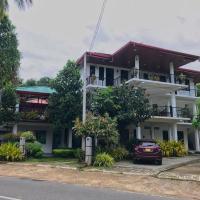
{"type": "Point", "coordinates": [44, 81]}
{"type": "Point", "coordinates": [30, 82]}
{"type": "Point", "coordinates": [65, 104]}
{"type": "Point", "coordinates": [4, 6]}
{"type": "Point", "coordinates": [9, 53]}
{"type": "Point", "coordinates": [127, 103]}
{"type": "Point", "coordinates": [100, 127]}
{"type": "Point", "coordinates": [8, 105]}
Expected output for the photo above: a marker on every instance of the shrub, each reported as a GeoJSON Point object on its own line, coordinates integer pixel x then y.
{"type": "Point", "coordinates": [10, 152]}
{"type": "Point", "coordinates": [172, 148]}
{"type": "Point", "coordinates": [11, 138]}
{"type": "Point", "coordinates": [119, 153]}
{"type": "Point", "coordinates": [64, 153]}
{"type": "Point", "coordinates": [34, 150]}
{"type": "Point", "coordinates": [28, 135]}
{"type": "Point", "coordinates": [80, 155]}
{"type": "Point", "coordinates": [103, 160]}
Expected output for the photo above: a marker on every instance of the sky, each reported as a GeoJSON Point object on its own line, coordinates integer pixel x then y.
{"type": "Point", "coordinates": [53, 31]}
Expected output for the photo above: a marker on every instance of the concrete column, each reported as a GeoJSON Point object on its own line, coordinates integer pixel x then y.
{"type": "Point", "coordinates": [170, 134]}
{"type": "Point", "coordinates": [84, 96]}
{"type": "Point", "coordinates": [168, 108]}
{"type": "Point", "coordinates": [137, 66]}
{"type": "Point", "coordinates": [197, 146]}
{"type": "Point", "coordinates": [194, 110]}
{"type": "Point", "coordinates": [152, 132]}
{"type": "Point", "coordinates": [174, 130]}
{"type": "Point", "coordinates": [69, 141]}
{"type": "Point", "coordinates": [15, 129]}
{"type": "Point", "coordinates": [186, 139]}
{"type": "Point", "coordinates": [173, 103]}
{"type": "Point", "coordinates": [138, 132]}
{"type": "Point", "coordinates": [171, 69]}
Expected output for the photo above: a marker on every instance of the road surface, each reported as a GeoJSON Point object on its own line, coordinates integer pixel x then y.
{"type": "Point", "coordinates": [26, 189]}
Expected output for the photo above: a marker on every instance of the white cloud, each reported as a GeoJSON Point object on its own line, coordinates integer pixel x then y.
{"type": "Point", "coordinates": [50, 32]}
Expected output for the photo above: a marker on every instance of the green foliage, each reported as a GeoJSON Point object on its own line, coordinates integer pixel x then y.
{"type": "Point", "coordinates": [10, 152]}
{"type": "Point", "coordinates": [65, 104]}
{"type": "Point", "coordinates": [4, 5]}
{"type": "Point", "coordinates": [11, 138]}
{"type": "Point", "coordinates": [119, 153]}
{"type": "Point", "coordinates": [7, 105]}
{"type": "Point", "coordinates": [9, 54]}
{"type": "Point", "coordinates": [172, 148]}
{"type": "Point", "coordinates": [44, 81]}
{"type": "Point", "coordinates": [126, 103]}
{"type": "Point", "coordinates": [102, 127]}
{"type": "Point", "coordinates": [32, 115]}
{"type": "Point", "coordinates": [29, 136]}
{"type": "Point", "coordinates": [64, 153]}
{"type": "Point", "coordinates": [196, 120]}
{"type": "Point", "coordinates": [80, 155]}
{"type": "Point", "coordinates": [103, 160]}
{"type": "Point", "coordinates": [34, 149]}
{"type": "Point", "coordinates": [30, 82]}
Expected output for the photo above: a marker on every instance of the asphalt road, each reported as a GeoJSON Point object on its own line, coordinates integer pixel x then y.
{"type": "Point", "coordinates": [26, 189]}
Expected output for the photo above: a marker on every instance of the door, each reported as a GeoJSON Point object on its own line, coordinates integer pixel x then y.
{"type": "Point", "coordinates": [109, 77]}
{"type": "Point", "coordinates": [165, 136]}
{"type": "Point", "coordinates": [124, 76]}
{"type": "Point", "coordinates": [180, 136]}
{"type": "Point", "coordinates": [101, 75]}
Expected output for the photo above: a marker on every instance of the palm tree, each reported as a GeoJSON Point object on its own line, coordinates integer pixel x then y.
{"type": "Point", "coordinates": [4, 5]}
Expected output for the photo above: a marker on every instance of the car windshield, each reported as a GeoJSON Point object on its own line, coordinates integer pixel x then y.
{"type": "Point", "coordinates": [148, 144]}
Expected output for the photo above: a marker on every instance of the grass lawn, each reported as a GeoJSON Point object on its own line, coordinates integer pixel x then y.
{"type": "Point", "coordinates": [54, 161]}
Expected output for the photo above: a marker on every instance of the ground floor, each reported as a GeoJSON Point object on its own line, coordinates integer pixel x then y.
{"type": "Point", "coordinates": [162, 131]}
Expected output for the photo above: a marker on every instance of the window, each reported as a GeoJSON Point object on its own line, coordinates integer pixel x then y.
{"type": "Point", "coordinates": [92, 70]}
{"type": "Point", "coordinates": [41, 136]}
{"type": "Point", "coordinates": [124, 75]}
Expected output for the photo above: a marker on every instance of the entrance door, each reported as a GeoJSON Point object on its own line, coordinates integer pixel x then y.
{"type": "Point", "coordinates": [180, 136]}
{"type": "Point", "coordinates": [109, 77]}
{"type": "Point", "coordinates": [165, 136]}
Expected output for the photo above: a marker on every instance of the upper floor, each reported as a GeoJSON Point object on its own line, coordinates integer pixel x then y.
{"type": "Point", "coordinates": [155, 69]}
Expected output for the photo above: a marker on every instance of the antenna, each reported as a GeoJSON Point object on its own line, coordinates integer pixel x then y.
{"type": "Point", "coordinates": [98, 25]}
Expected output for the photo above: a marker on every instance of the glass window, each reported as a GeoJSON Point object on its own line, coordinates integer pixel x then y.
{"type": "Point", "coordinates": [41, 136]}
{"type": "Point", "coordinates": [101, 73]}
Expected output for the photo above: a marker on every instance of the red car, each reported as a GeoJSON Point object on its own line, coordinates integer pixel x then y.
{"type": "Point", "coordinates": [147, 150]}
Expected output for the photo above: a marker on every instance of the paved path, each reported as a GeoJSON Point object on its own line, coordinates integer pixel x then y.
{"type": "Point", "coordinates": [24, 189]}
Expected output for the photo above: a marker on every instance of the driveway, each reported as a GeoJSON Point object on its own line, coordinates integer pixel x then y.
{"type": "Point", "coordinates": [148, 168]}
{"type": "Point", "coordinates": [24, 189]}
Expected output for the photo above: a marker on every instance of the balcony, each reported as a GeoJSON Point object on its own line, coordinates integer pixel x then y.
{"type": "Point", "coordinates": [32, 114]}
{"type": "Point", "coordinates": [162, 111]}
{"type": "Point", "coordinates": [189, 92]}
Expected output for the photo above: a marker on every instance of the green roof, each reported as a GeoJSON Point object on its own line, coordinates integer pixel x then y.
{"type": "Point", "coordinates": [36, 89]}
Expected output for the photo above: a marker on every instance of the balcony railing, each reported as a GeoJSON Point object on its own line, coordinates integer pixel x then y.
{"type": "Point", "coordinates": [162, 111]}
{"type": "Point", "coordinates": [189, 92]}
{"type": "Point", "coordinates": [183, 112]}
{"type": "Point", "coordinates": [32, 113]}
{"type": "Point", "coordinates": [94, 80]}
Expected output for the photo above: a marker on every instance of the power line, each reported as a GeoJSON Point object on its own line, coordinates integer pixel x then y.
{"type": "Point", "coordinates": [98, 25]}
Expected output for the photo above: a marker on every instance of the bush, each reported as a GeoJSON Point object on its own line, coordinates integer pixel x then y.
{"type": "Point", "coordinates": [119, 153]}
{"type": "Point", "coordinates": [103, 160]}
{"type": "Point", "coordinates": [34, 150]}
{"type": "Point", "coordinates": [11, 138]}
{"type": "Point", "coordinates": [80, 155]}
{"type": "Point", "coordinates": [28, 135]}
{"type": "Point", "coordinates": [10, 152]}
{"type": "Point", "coordinates": [172, 148]}
{"type": "Point", "coordinates": [64, 153]}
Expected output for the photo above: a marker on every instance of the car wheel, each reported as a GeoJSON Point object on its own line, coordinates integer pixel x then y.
{"type": "Point", "coordinates": [159, 162]}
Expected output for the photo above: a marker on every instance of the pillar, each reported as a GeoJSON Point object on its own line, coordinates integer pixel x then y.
{"type": "Point", "coordinates": [171, 69]}
{"type": "Point", "coordinates": [84, 96]}
{"type": "Point", "coordinates": [152, 132]}
{"type": "Point", "coordinates": [137, 66]}
{"type": "Point", "coordinates": [173, 104]}
{"type": "Point", "coordinates": [170, 134]}
{"type": "Point", "coordinates": [174, 130]}
{"type": "Point", "coordinates": [69, 141]}
{"type": "Point", "coordinates": [15, 129]}
{"type": "Point", "coordinates": [197, 147]}
{"type": "Point", "coordinates": [186, 139]}
{"type": "Point", "coordinates": [194, 110]}
{"type": "Point", "coordinates": [138, 132]}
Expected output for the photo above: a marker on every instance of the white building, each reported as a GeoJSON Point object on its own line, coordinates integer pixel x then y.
{"type": "Point", "coordinates": [171, 89]}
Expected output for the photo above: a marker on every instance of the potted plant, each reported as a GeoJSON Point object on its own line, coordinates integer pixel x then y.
{"type": "Point", "coordinates": [182, 77]}
{"type": "Point", "coordinates": [93, 78]}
